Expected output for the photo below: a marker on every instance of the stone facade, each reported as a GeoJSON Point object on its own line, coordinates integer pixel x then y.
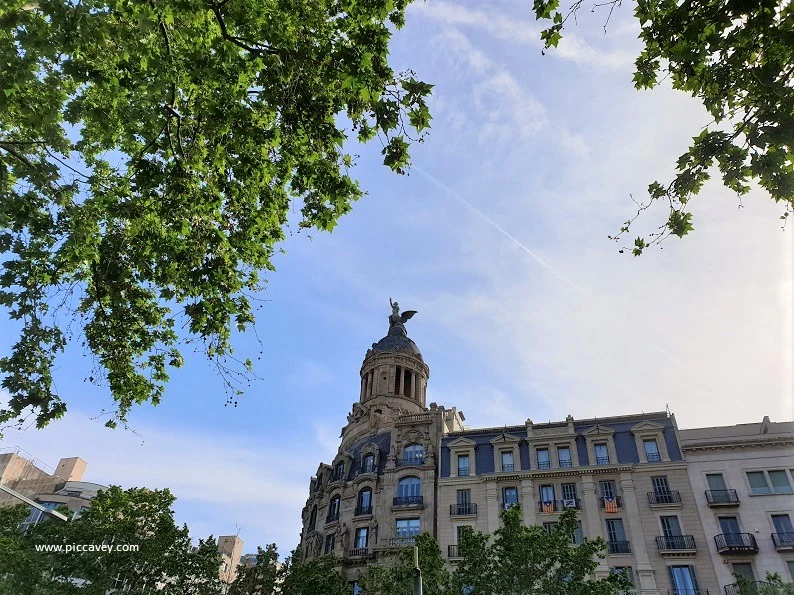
{"type": "Point", "coordinates": [743, 479]}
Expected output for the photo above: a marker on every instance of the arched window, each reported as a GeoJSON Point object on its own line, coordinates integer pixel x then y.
{"type": "Point", "coordinates": [333, 509]}
{"type": "Point", "coordinates": [368, 464]}
{"type": "Point", "coordinates": [339, 471]}
{"type": "Point", "coordinates": [409, 487]}
{"type": "Point", "coordinates": [364, 502]}
{"type": "Point", "coordinates": [312, 519]}
{"type": "Point", "coordinates": [414, 454]}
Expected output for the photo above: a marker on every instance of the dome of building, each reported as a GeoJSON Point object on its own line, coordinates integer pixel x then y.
{"type": "Point", "coordinates": [396, 341]}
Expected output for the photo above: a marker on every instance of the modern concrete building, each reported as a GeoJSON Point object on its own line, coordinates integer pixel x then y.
{"type": "Point", "coordinates": [743, 479]}
{"type": "Point", "coordinates": [404, 468]}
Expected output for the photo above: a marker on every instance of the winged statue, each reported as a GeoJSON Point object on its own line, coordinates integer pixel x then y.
{"type": "Point", "coordinates": [396, 317]}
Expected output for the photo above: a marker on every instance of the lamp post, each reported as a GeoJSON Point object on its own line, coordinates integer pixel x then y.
{"type": "Point", "coordinates": [417, 573]}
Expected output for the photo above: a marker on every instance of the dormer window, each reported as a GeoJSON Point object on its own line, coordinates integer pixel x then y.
{"type": "Point", "coordinates": [339, 471]}
{"type": "Point", "coordinates": [414, 454]}
{"type": "Point", "coordinates": [544, 460]}
{"type": "Point", "coordinates": [601, 454]}
{"type": "Point", "coordinates": [368, 465]}
{"type": "Point", "coordinates": [333, 509]}
{"type": "Point", "coordinates": [652, 454]}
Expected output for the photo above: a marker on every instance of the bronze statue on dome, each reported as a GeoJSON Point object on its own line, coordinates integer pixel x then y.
{"type": "Point", "coordinates": [397, 318]}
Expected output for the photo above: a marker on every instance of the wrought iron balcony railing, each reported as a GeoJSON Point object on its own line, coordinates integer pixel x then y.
{"type": "Point", "coordinates": [357, 552]}
{"type": "Point", "coordinates": [602, 460]}
{"type": "Point", "coordinates": [613, 506]}
{"type": "Point", "coordinates": [410, 461]}
{"type": "Point", "coordinates": [667, 497]}
{"type": "Point", "coordinates": [653, 457]}
{"type": "Point", "coordinates": [363, 510]}
{"type": "Point", "coordinates": [401, 542]}
{"type": "Point", "coordinates": [675, 543]}
{"type": "Point", "coordinates": [507, 505]}
{"type": "Point", "coordinates": [453, 551]}
{"type": "Point", "coordinates": [508, 467]}
{"type": "Point", "coordinates": [722, 498]}
{"type": "Point", "coordinates": [574, 503]}
{"type": "Point", "coordinates": [463, 471]}
{"type": "Point", "coordinates": [748, 588]}
{"type": "Point", "coordinates": [736, 542]}
{"type": "Point", "coordinates": [467, 509]}
{"type": "Point", "coordinates": [547, 506]}
{"type": "Point", "coordinates": [332, 516]}
{"type": "Point", "coordinates": [783, 541]}
{"type": "Point", "coordinates": [544, 464]}
{"type": "Point", "coordinates": [408, 500]}
{"type": "Point", "coordinates": [566, 463]}
{"type": "Point", "coordinates": [619, 547]}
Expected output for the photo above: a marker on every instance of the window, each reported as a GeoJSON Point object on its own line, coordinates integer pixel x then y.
{"type": "Point", "coordinates": [549, 527]}
{"type": "Point", "coordinates": [607, 489]}
{"type": "Point", "coordinates": [312, 519]}
{"type": "Point", "coordinates": [577, 537]}
{"type": "Point", "coordinates": [544, 461]}
{"type": "Point", "coordinates": [361, 538]}
{"type": "Point", "coordinates": [660, 485]}
{"type": "Point", "coordinates": [569, 495]}
{"type": "Point", "coordinates": [670, 526]}
{"type": "Point", "coordinates": [716, 482]}
{"type": "Point", "coordinates": [463, 465]}
{"type": "Point", "coordinates": [507, 460]}
{"type": "Point", "coordinates": [333, 509]}
{"type": "Point", "coordinates": [601, 454]}
{"type": "Point", "coordinates": [510, 497]}
{"type": "Point", "coordinates": [758, 484]}
{"type": "Point", "coordinates": [731, 533]}
{"type": "Point", "coordinates": [414, 454]}
{"type": "Point", "coordinates": [364, 502]}
{"type": "Point", "coordinates": [743, 569]}
{"type": "Point", "coordinates": [464, 502]}
{"type": "Point", "coordinates": [369, 464]}
{"type": "Point", "coordinates": [547, 493]}
{"type": "Point", "coordinates": [782, 524]}
{"type": "Point", "coordinates": [651, 451]}
{"type": "Point", "coordinates": [790, 564]}
{"type": "Point", "coordinates": [459, 532]}
{"type": "Point", "coordinates": [615, 530]}
{"type": "Point", "coordinates": [339, 471]}
{"type": "Point", "coordinates": [329, 544]}
{"type": "Point", "coordinates": [409, 487]}
{"type": "Point", "coordinates": [626, 571]}
{"type": "Point", "coordinates": [683, 579]}
{"type": "Point", "coordinates": [407, 527]}
{"type": "Point", "coordinates": [564, 456]}
{"type": "Point", "coordinates": [355, 588]}
{"type": "Point", "coordinates": [780, 484]}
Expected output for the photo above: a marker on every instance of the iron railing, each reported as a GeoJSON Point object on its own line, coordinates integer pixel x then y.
{"type": "Point", "coordinates": [363, 510]}
{"type": "Point", "coordinates": [408, 500]}
{"type": "Point", "coordinates": [453, 551]}
{"type": "Point", "coordinates": [666, 497]}
{"type": "Point", "coordinates": [469, 508]}
{"type": "Point", "coordinates": [722, 497]}
{"type": "Point", "coordinates": [666, 543]}
{"type": "Point", "coordinates": [619, 547]}
{"type": "Point", "coordinates": [736, 542]}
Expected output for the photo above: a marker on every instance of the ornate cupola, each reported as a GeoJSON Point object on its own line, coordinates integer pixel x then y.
{"type": "Point", "coordinates": [393, 369]}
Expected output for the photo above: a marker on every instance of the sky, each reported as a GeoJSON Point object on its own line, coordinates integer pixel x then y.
{"type": "Point", "coordinates": [498, 237]}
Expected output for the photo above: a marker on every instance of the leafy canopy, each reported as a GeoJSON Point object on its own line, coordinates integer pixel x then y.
{"type": "Point", "coordinates": [150, 152]}
{"type": "Point", "coordinates": [737, 58]}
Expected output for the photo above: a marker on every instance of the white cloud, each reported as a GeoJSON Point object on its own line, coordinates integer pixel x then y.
{"type": "Point", "coordinates": [508, 28]}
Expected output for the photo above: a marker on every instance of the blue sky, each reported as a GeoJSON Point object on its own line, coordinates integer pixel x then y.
{"type": "Point", "coordinates": [498, 237]}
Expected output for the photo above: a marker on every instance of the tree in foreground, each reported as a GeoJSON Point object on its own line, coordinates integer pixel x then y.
{"type": "Point", "coordinates": [771, 585]}
{"type": "Point", "coordinates": [395, 576]}
{"type": "Point", "coordinates": [150, 153]}
{"type": "Point", "coordinates": [737, 58]}
{"type": "Point", "coordinates": [137, 517]}
{"type": "Point", "coordinates": [261, 578]}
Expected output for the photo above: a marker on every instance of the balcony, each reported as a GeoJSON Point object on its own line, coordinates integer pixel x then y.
{"type": "Point", "coordinates": [602, 460]}
{"type": "Point", "coordinates": [566, 463]}
{"type": "Point", "coordinates": [572, 503]}
{"type": "Point", "coordinates": [748, 588]}
{"type": "Point", "coordinates": [362, 510]}
{"type": "Point", "coordinates": [508, 467]}
{"type": "Point", "coordinates": [400, 542]}
{"type": "Point", "coordinates": [548, 506]}
{"type": "Point", "coordinates": [453, 551]}
{"type": "Point", "coordinates": [544, 464]}
{"type": "Point", "coordinates": [408, 501]}
{"type": "Point", "coordinates": [611, 504]}
{"type": "Point", "coordinates": [653, 457]}
{"type": "Point", "coordinates": [408, 461]}
{"type": "Point", "coordinates": [668, 498]}
{"type": "Point", "coordinates": [784, 542]}
{"type": "Point", "coordinates": [736, 543]}
{"type": "Point", "coordinates": [463, 472]}
{"type": "Point", "coordinates": [676, 544]}
{"type": "Point", "coordinates": [717, 498]}
{"type": "Point", "coordinates": [468, 509]}
{"type": "Point", "coordinates": [506, 505]}
{"type": "Point", "coordinates": [333, 516]}
{"type": "Point", "coordinates": [619, 547]}
{"type": "Point", "coordinates": [358, 552]}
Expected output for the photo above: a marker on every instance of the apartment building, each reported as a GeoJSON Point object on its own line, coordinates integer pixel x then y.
{"type": "Point", "coordinates": [743, 481]}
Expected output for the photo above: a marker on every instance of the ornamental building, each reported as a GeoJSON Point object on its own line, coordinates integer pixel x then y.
{"type": "Point", "coordinates": [405, 468]}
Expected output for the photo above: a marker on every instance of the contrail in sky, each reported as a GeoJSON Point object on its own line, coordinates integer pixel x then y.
{"type": "Point", "coordinates": [675, 361]}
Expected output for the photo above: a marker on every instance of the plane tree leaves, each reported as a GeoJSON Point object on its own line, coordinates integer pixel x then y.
{"type": "Point", "coordinates": [150, 152]}
{"type": "Point", "coordinates": [737, 58]}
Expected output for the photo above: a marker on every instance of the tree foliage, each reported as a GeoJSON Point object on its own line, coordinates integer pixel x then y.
{"type": "Point", "coordinates": [261, 578]}
{"type": "Point", "coordinates": [771, 585]}
{"type": "Point", "coordinates": [737, 58]}
{"type": "Point", "coordinates": [396, 576]}
{"type": "Point", "coordinates": [150, 152]}
{"type": "Point", "coordinates": [139, 517]}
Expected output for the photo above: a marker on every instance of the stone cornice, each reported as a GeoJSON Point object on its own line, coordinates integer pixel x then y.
{"type": "Point", "coordinates": [740, 443]}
